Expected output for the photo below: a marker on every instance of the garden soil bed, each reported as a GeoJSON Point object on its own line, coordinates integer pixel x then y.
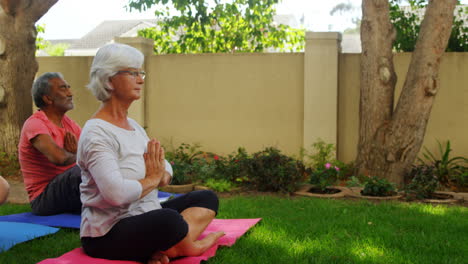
{"type": "Point", "coordinates": [356, 192]}
{"type": "Point", "coordinates": [330, 192]}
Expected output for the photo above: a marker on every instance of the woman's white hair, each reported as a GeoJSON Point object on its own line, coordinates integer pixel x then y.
{"type": "Point", "coordinates": [108, 60]}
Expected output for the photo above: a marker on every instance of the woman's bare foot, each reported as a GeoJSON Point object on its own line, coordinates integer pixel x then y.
{"type": "Point", "coordinates": [193, 248]}
{"type": "Point", "coordinates": [211, 239]}
{"type": "Point", "coordinates": [158, 258]}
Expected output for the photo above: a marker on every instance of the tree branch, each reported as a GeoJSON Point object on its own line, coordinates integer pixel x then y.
{"type": "Point", "coordinates": [38, 8]}
{"type": "Point", "coordinates": [422, 81]}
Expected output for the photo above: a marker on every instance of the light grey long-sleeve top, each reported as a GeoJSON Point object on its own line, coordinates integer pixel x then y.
{"type": "Point", "coordinates": [111, 162]}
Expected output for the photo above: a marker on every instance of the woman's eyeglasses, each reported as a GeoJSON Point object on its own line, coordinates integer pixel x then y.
{"type": "Point", "coordinates": [135, 74]}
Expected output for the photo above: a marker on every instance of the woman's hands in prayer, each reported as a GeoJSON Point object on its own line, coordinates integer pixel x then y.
{"type": "Point", "coordinates": [154, 161]}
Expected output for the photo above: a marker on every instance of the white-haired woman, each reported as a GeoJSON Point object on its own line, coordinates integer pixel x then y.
{"type": "Point", "coordinates": [122, 218]}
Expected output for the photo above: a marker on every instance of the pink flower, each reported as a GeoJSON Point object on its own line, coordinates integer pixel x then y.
{"type": "Point", "coordinates": [172, 163]}
{"type": "Point", "coordinates": [337, 169]}
{"type": "Point", "coordinates": [327, 166]}
{"type": "Point", "coordinates": [216, 157]}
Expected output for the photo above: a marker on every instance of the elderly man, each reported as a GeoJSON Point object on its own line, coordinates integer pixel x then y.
{"type": "Point", "coordinates": [47, 149]}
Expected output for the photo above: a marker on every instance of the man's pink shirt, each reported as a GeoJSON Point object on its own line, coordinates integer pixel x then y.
{"type": "Point", "coordinates": [37, 170]}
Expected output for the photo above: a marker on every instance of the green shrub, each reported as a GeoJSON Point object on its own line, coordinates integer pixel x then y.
{"type": "Point", "coordinates": [375, 186]}
{"type": "Point", "coordinates": [459, 179]}
{"type": "Point", "coordinates": [446, 168]}
{"type": "Point", "coordinates": [9, 164]}
{"type": "Point", "coordinates": [354, 182]}
{"type": "Point", "coordinates": [423, 183]}
{"type": "Point", "coordinates": [186, 162]}
{"type": "Point", "coordinates": [234, 167]}
{"type": "Point", "coordinates": [321, 154]}
{"type": "Point", "coordinates": [269, 170]}
{"type": "Point", "coordinates": [219, 185]}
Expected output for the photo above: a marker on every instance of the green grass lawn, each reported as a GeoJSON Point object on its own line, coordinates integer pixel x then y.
{"type": "Point", "coordinates": [311, 230]}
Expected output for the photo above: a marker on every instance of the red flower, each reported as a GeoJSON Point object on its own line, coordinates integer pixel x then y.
{"type": "Point", "coordinates": [216, 157]}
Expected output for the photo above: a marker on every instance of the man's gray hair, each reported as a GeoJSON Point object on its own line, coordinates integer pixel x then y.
{"type": "Point", "coordinates": [41, 87]}
{"type": "Point", "coordinates": [108, 60]}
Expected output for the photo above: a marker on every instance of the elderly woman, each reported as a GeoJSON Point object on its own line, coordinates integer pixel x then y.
{"type": "Point", "coordinates": [4, 190]}
{"type": "Point", "coordinates": [122, 168]}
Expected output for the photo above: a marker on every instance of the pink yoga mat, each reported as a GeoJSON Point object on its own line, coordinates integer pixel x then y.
{"type": "Point", "coordinates": [234, 228]}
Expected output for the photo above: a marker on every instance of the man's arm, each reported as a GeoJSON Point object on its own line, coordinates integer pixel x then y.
{"type": "Point", "coordinates": [55, 154]}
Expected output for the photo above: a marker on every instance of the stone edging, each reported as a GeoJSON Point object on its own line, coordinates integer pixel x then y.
{"type": "Point", "coordinates": [455, 199]}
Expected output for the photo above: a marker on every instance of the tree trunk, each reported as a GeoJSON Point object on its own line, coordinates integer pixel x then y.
{"type": "Point", "coordinates": [390, 139]}
{"type": "Point", "coordinates": [18, 65]}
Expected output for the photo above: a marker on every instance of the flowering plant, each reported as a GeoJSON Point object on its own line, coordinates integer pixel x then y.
{"type": "Point", "coordinates": [325, 176]}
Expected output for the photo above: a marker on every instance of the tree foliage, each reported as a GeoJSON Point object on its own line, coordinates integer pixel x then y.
{"type": "Point", "coordinates": [406, 17]}
{"type": "Point", "coordinates": [41, 43]}
{"type": "Point", "coordinates": [407, 25]}
{"type": "Point", "coordinates": [51, 49]}
{"type": "Point", "coordinates": [226, 26]}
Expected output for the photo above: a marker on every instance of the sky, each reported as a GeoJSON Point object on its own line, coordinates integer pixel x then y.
{"type": "Point", "coordinates": [70, 19]}
{"type": "Point", "coordinates": [74, 18]}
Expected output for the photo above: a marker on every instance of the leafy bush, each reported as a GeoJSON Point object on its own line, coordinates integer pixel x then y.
{"type": "Point", "coordinates": [324, 177]}
{"type": "Point", "coordinates": [322, 153]}
{"type": "Point", "coordinates": [186, 163]}
{"type": "Point", "coordinates": [459, 179]}
{"type": "Point", "coordinates": [445, 167]}
{"type": "Point", "coordinates": [219, 185]}
{"type": "Point", "coordinates": [424, 182]}
{"type": "Point", "coordinates": [354, 182]}
{"type": "Point", "coordinates": [376, 186]}
{"type": "Point", "coordinates": [234, 167]}
{"type": "Point", "coordinates": [269, 170]}
{"type": "Point", "coordinates": [9, 164]}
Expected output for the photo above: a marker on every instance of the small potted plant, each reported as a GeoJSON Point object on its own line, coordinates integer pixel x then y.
{"type": "Point", "coordinates": [377, 189]}
{"type": "Point", "coordinates": [322, 182]}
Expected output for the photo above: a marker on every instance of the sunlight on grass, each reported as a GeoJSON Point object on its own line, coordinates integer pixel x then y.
{"type": "Point", "coordinates": [367, 250]}
{"type": "Point", "coordinates": [433, 210]}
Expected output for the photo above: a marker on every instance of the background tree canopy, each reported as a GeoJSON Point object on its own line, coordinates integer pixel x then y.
{"type": "Point", "coordinates": [407, 24]}
{"type": "Point", "coordinates": [406, 17]}
{"type": "Point", "coordinates": [225, 26]}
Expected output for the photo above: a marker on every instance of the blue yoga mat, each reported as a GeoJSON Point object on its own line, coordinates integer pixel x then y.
{"type": "Point", "coordinates": [60, 220]}
{"type": "Point", "coordinates": [14, 233]}
{"type": "Point", "coordinates": [164, 196]}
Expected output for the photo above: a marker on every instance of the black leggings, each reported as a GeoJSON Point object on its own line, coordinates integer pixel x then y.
{"type": "Point", "coordinates": [137, 238]}
{"type": "Point", "coordinates": [62, 194]}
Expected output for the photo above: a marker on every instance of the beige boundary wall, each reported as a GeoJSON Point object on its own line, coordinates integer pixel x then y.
{"type": "Point", "coordinates": [288, 100]}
